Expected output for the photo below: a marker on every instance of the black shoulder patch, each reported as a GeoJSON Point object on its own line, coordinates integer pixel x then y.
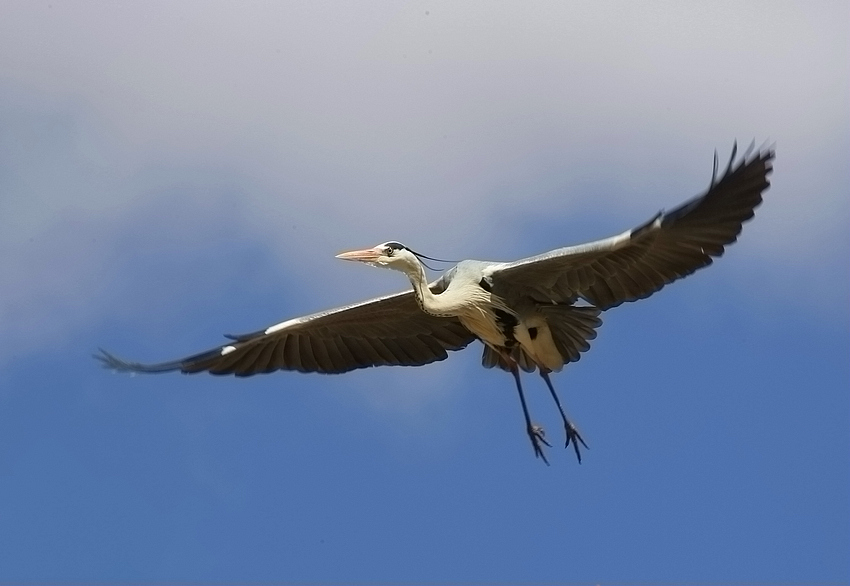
{"type": "Point", "coordinates": [507, 322]}
{"type": "Point", "coordinates": [505, 319]}
{"type": "Point", "coordinates": [485, 285]}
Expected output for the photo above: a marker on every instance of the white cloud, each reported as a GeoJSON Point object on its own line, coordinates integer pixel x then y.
{"type": "Point", "coordinates": [446, 125]}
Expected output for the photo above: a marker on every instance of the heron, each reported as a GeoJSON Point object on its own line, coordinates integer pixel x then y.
{"type": "Point", "coordinates": [534, 314]}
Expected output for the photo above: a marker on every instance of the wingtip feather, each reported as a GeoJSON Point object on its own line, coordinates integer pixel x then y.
{"type": "Point", "coordinates": [115, 364]}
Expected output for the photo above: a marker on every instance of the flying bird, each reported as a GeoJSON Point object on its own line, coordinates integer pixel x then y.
{"type": "Point", "coordinates": [534, 314]}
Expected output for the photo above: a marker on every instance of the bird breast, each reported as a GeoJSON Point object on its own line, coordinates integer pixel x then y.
{"type": "Point", "coordinates": [487, 316]}
{"type": "Point", "coordinates": [485, 324]}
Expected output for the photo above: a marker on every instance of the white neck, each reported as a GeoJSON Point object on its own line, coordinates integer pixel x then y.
{"type": "Point", "coordinates": [430, 303]}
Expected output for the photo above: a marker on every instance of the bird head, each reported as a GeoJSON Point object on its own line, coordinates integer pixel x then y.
{"type": "Point", "coordinates": [391, 255]}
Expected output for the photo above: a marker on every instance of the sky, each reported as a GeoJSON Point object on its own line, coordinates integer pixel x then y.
{"type": "Point", "coordinates": [173, 171]}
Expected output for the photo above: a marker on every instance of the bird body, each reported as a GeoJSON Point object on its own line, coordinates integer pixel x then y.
{"type": "Point", "coordinates": [537, 313]}
{"type": "Point", "coordinates": [482, 312]}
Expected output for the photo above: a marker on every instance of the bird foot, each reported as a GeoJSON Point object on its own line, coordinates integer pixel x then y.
{"type": "Point", "coordinates": [537, 435]}
{"type": "Point", "coordinates": [575, 437]}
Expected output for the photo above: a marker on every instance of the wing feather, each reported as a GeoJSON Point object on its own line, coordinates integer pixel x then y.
{"type": "Point", "coordinates": [639, 262]}
{"type": "Point", "coordinates": [307, 356]}
{"type": "Point", "coordinates": [390, 330]}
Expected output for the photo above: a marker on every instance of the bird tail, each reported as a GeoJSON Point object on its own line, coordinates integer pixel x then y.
{"type": "Point", "coordinates": [493, 358]}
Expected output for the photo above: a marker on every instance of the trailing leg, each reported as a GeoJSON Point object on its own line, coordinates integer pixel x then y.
{"type": "Point", "coordinates": [572, 432]}
{"type": "Point", "coordinates": [535, 432]}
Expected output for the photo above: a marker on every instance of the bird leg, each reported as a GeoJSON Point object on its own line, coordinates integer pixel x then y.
{"type": "Point", "coordinates": [572, 432]}
{"type": "Point", "coordinates": [535, 432]}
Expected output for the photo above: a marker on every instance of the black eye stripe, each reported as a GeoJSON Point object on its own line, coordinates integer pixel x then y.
{"type": "Point", "coordinates": [392, 246]}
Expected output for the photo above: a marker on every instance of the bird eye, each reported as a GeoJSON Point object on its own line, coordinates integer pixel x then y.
{"type": "Point", "coordinates": [389, 251]}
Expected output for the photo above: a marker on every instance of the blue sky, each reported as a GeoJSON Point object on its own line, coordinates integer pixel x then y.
{"type": "Point", "coordinates": [170, 172]}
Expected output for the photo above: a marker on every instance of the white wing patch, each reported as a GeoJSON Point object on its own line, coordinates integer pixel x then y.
{"type": "Point", "coordinates": [227, 350]}
{"type": "Point", "coordinates": [282, 325]}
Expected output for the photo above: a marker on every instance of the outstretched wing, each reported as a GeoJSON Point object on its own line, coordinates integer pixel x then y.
{"type": "Point", "coordinates": [390, 330]}
{"type": "Point", "coordinates": [639, 262]}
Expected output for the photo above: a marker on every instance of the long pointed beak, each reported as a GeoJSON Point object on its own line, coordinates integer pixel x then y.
{"type": "Point", "coordinates": [365, 255]}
